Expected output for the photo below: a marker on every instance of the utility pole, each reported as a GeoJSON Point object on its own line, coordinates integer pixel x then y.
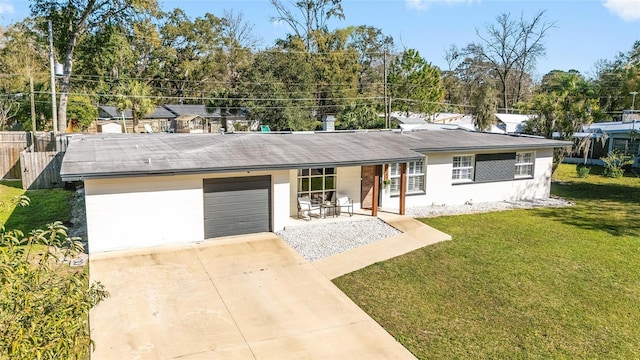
{"type": "Point", "coordinates": [33, 113]}
{"type": "Point", "coordinates": [633, 102]}
{"type": "Point", "coordinates": [54, 107]}
{"type": "Point", "coordinates": [386, 108]}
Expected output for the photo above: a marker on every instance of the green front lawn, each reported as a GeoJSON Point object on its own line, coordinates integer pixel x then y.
{"type": "Point", "coordinates": [552, 283]}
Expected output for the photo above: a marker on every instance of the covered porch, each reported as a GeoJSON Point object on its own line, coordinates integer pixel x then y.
{"type": "Point", "coordinates": [332, 192]}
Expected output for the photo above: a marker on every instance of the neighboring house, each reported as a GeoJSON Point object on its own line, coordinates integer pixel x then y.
{"type": "Point", "coordinates": [163, 119]}
{"type": "Point", "coordinates": [211, 119]}
{"type": "Point", "coordinates": [445, 118]}
{"type": "Point", "coordinates": [164, 189]}
{"type": "Point", "coordinates": [194, 124]}
{"type": "Point", "coordinates": [599, 139]}
{"type": "Point", "coordinates": [511, 123]}
{"type": "Point", "coordinates": [158, 120]}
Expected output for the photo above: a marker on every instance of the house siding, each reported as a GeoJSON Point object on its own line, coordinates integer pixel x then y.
{"type": "Point", "coordinates": [159, 210]}
{"type": "Point", "coordinates": [441, 190]}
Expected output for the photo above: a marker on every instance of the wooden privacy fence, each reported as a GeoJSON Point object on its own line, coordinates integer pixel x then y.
{"type": "Point", "coordinates": [10, 163]}
{"type": "Point", "coordinates": [34, 159]}
{"type": "Point", "coordinates": [41, 170]}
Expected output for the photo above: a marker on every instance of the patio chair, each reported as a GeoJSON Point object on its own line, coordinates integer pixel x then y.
{"type": "Point", "coordinates": [306, 206]}
{"type": "Point", "coordinates": [344, 201]}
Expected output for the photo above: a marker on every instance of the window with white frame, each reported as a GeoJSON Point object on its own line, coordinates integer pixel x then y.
{"type": "Point", "coordinates": [415, 177]}
{"type": "Point", "coordinates": [462, 168]}
{"type": "Point", "coordinates": [524, 164]}
{"type": "Point", "coordinates": [317, 184]}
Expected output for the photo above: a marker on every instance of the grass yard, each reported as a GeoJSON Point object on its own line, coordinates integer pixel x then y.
{"type": "Point", "coordinates": [545, 283]}
{"type": "Point", "coordinates": [46, 207]}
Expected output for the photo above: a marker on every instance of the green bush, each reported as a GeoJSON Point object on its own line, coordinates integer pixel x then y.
{"type": "Point", "coordinates": [583, 171]}
{"type": "Point", "coordinates": [44, 303]}
{"type": "Point", "coordinates": [614, 164]}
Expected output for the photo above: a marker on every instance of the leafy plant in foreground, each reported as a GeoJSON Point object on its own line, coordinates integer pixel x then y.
{"type": "Point", "coordinates": [43, 301]}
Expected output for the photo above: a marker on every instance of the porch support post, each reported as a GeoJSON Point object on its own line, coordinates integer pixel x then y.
{"type": "Point", "coordinates": [403, 187]}
{"type": "Point", "coordinates": [376, 188]}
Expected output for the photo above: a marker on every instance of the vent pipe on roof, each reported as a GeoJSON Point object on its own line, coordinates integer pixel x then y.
{"type": "Point", "coordinates": [328, 123]}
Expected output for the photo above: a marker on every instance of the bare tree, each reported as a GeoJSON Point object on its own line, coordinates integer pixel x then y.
{"type": "Point", "coordinates": [238, 31]}
{"type": "Point", "coordinates": [307, 16]}
{"type": "Point", "coordinates": [8, 108]}
{"type": "Point", "coordinates": [452, 56]}
{"type": "Point", "coordinates": [512, 48]}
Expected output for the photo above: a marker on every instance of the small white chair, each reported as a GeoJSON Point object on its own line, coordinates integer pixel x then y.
{"type": "Point", "coordinates": [344, 201]}
{"type": "Point", "coordinates": [306, 206]}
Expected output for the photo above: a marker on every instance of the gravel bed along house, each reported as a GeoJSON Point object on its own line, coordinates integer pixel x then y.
{"type": "Point", "coordinates": [470, 208]}
{"type": "Point", "coordinates": [315, 242]}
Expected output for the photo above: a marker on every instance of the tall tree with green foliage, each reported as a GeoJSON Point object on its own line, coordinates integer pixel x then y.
{"type": "Point", "coordinates": [359, 116]}
{"type": "Point", "coordinates": [414, 84]}
{"type": "Point", "coordinates": [193, 64]}
{"type": "Point", "coordinates": [81, 112]}
{"type": "Point", "coordinates": [135, 96]}
{"type": "Point", "coordinates": [279, 87]}
{"type": "Point", "coordinates": [373, 48]}
{"type": "Point", "coordinates": [103, 59]}
{"type": "Point", "coordinates": [23, 56]}
{"type": "Point", "coordinates": [566, 103]}
{"type": "Point", "coordinates": [616, 79]}
{"type": "Point", "coordinates": [75, 18]}
{"type": "Point", "coordinates": [336, 71]}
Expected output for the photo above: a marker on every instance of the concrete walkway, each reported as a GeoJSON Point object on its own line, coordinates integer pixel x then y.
{"type": "Point", "coordinates": [415, 235]}
{"type": "Point", "coordinates": [246, 297]}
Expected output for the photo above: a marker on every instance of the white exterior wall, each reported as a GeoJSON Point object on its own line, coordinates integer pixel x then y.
{"type": "Point", "coordinates": [138, 212]}
{"type": "Point", "coordinates": [350, 184]}
{"type": "Point", "coordinates": [441, 190]}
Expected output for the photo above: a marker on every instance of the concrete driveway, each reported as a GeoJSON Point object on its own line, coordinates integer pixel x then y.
{"type": "Point", "coordinates": [245, 297]}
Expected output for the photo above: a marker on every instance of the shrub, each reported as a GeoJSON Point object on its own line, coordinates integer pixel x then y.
{"type": "Point", "coordinates": [614, 163]}
{"type": "Point", "coordinates": [44, 303]}
{"type": "Point", "coordinates": [583, 171]}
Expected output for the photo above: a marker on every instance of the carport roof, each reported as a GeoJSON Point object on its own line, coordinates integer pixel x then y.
{"type": "Point", "coordinates": [119, 155]}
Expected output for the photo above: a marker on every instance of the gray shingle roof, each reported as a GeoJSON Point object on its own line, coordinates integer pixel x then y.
{"type": "Point", "coordinates": [193, 110]}
{"type": "Point", "coordinates": [115, 155]}
{"type": "Point", "coordinates": [158, 113]}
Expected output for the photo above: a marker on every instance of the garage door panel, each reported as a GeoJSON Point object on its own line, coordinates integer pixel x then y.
{"type": "Point", "coordinates": [231, 229]}
{"type": "Point", "coordinates": [234, 206]}
{"type": "Point", "coordinates": [238, 197]}
{"type": "Point", "coordinates": [231, 184]}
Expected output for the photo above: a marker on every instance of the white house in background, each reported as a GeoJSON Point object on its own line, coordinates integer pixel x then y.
{"type": "Point", "coordinates": [160, 189]}
{"type": "Point", "coordinates": [605, 137]}
{"type": "Point", "coordinates": [512, 123]}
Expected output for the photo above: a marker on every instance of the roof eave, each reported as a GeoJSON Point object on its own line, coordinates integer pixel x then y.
{"type": "Point", "coordinates": [233, 169]}
{"type": "Point", "coordinates": [559, 144]}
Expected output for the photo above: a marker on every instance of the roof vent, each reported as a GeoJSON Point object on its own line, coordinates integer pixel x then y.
{"type": "Point", "coordinates": [328, 123]}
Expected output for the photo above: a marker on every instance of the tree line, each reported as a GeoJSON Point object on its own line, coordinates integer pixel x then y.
{"type": "Point", "coordinates": [135, 55]}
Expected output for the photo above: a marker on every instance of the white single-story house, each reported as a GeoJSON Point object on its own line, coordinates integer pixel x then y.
{"type": "Point", "coordinates": [161, 189]}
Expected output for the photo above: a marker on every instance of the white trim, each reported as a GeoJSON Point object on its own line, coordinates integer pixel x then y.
{"type": "Point", "coordinates": [459, 179]}
{"type": "Point", "coordinates": [530, 165]}
{"type": "Point", "coordinates": [394, 176]}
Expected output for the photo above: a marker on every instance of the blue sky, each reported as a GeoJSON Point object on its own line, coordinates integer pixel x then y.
{"type": "Point", "coordinates": [585, 30]}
